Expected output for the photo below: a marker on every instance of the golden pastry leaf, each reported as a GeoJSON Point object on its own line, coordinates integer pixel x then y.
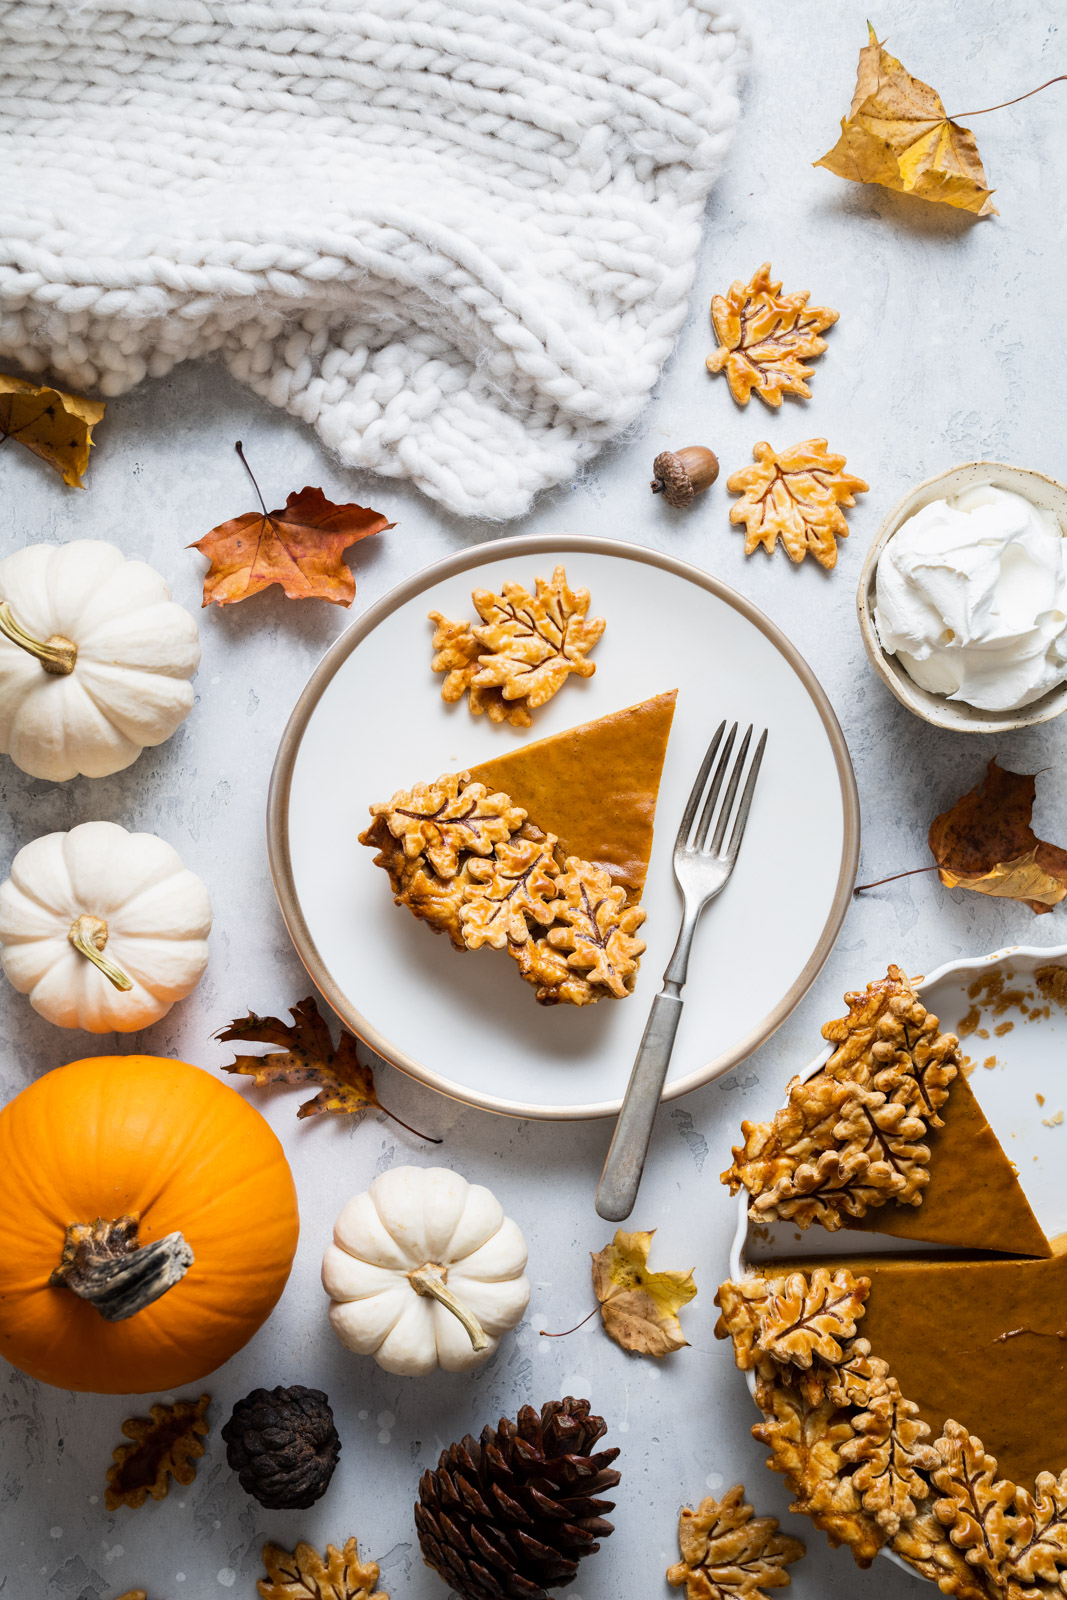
{"type": "Point", "coordinates": [730, 1554]}
{"type": "Point", "coordinates": [897, 134]}
{"type": "Point", "coordinates": [985, 842]}
{"type": "Point", "coordinates": [165, 1445]}
{"type": "Point", "coordinates": [515, 886]}
{"type": "Point", "coordinates": [595, 928]}
{"type": "Point", "coordinates": [795, 496]}
{"type": "Point", "coordinates": [891, 1458]}
{"type": "Point", "coordinates": [307, 1056]}
{"type": "Point", "coordinates": [445, 819]}
{"type": "Point", "coordinates": [56, 426]}
{"type": "Point", "coordinates": [134, 1594]}
{"type": "Point", "coordinates": [765, 337]}
{"type": "Point", "coordinates": [1039, 1542]}
{"type": "Point", "coordinates": [302, 1574]}
{"type": "Point", "coordinates": [301, 548]}
{"type": "Point", "coordinates": [976, 1507]}
{"type": "Point", "coordinates": [639, 1309]}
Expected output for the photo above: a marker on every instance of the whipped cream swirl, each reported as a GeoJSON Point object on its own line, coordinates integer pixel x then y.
{"type": "Point", "coordinates": [971, 597]}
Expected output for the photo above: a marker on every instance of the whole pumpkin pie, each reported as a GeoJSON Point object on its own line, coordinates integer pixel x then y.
{"type": "Point", "coordinates": [541, 852]}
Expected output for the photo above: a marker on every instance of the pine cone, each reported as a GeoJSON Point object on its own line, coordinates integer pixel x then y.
{"type": "Point", "coordinates": [283, 1445]}
{"type": "Point", "coordinates": [511, 1516]}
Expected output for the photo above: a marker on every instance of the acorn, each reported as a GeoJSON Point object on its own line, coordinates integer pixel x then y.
{"type": "Point", "coordinates": [680, 475]}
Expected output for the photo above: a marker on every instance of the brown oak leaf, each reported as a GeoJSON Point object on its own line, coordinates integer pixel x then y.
{"type": "Point", "coordinates": [639, 1309]}
{"type": "Point", "coordinates": [898, 134]}
{"type": "Point", "coordinates": [302, 1574]}
{"type": "Point", "coordinates": [765, 337]}
{"type": "Point", "coordinates": [300, 547]}
{"type": "Point", "coordinates": [728, 1553]}
{"type": "Point", "coordinates": [976, 1507]}
{"type": "Point", "coordinates": [165, 1445]}
{"type": "Point", "coordinates": [596, 929]}
{"type": "Point", "coordinates": [308, 1056]}
{"type": "Point", "coordinates": [985, 842]}
{"type": "Point", "coordinates": [55, 425]}
{"type": "Point", "coordinates": [795, 496]}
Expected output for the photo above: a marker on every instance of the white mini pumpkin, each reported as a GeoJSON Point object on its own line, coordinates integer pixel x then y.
{"type": "Point", "coordinates": [425, 1271]}
{"type": "Point", "coordinates": [103, 929]}
{"type": "Point", "coordinates": [95, 659]}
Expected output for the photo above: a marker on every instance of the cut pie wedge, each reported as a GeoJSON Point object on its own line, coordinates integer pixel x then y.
{"type": "Point", "coordinates": [542, 852]}
{"type": "Point", "coordinates": [974, 1199]}
{"type": "Point", "coordinates": [595, 786]}
{"type": "Point", "coordinates": [983, 1341]}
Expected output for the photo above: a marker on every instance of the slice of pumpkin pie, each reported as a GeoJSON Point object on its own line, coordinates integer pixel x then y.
{"type": "Point", "coordinates": [542, 852]}
{"type": "Point", "coordinates": [887, 1136]}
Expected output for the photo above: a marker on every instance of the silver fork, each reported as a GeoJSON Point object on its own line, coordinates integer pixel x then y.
{"type": "Point", "coordinates": [701, 871]}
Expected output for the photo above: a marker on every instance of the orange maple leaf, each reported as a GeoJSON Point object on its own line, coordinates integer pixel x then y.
{"type": "Point", "coordinates": [300, 548]}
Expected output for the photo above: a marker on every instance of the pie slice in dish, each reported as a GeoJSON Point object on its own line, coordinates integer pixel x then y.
{"type": "Point", "coordinates": [542, 852]}
{"type": "Point", "coordinates": [887, 1136]}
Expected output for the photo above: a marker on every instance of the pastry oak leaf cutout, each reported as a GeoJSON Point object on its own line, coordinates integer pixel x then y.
{"type": "Point", "coordinates": [728, 1553]}
{"type": "Point", "coordinates": [796, 496]}
{"type": "Point", "coordinates": [595, 927]}
{"type": "Point", "coordinates": [897, 134]}
{"type": "Point", "coordinates": [165, 1445]}
{"type": "Point", "coordinates": [307, 1055]}
{"type": "Point", "coordinates": [443, 819]}
{"type": "Point", "coordinates": [639, 1308]}
{"type": "Point", "coordinates": [55, 425]}
{"type": "Point", "coordinates": [521, 652]}
{"type": "Point", "coordinates": [985, 843]}
{"type": "Point", "coordinates": [765, 337]}
{"type": "Point", "coordinates": [300, 547]}
{"type": "Point", "coordinates": [302, 1574]}
{"type": "Point", "coordinates": [516, 886]}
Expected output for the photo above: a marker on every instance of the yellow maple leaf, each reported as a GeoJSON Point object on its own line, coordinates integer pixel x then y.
{"type": "Point", "coordinates": [56, 426]}
{"type": "Point", "coordinates": [639, 1309]}
{"type": "Point", "coordinates": [898, 134]}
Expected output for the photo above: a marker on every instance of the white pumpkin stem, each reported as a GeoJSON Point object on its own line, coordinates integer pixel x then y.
{"type": "Point", "coordinates": [88, 935]}
{"type": "Point", "coordinates": [429, 1280]}
{"type": "Point", "coordinates": [103, 1264]}
{"type": "Point", "coordinates": [56, 655]}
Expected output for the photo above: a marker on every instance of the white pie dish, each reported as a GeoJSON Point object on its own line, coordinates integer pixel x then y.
{"type": "Point", "coordinates": [1040, 490]}
{"type": "Point", "coordinates": [1007, 1097]}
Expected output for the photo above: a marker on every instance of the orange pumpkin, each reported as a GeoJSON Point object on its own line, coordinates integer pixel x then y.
{"type": "Point", "coordinates": [198, 1225]}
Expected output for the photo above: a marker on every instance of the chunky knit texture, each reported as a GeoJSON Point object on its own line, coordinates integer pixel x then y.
{"type": "Point", "coordinates": [455, 236]}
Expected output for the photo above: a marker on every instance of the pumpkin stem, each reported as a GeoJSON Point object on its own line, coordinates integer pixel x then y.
{"type": "Point", "coordinates": [429, 1281]}
{"type": "Point", "coordinates": [103, 1263]}
{"type": "Point", "coordinates": [89, 936]}
{"type": "Point", "coordinates": [56, 655]}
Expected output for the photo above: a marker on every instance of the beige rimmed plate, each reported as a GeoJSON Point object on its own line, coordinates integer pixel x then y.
{"type": "Point", "coordinates": [371, 720]}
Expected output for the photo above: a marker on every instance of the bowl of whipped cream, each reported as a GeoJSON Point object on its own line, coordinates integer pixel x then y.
{"type": "Point", "coordinates": [963, 599]}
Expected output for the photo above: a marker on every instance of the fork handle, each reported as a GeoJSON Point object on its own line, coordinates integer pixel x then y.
{"type": "Point", "coordinates": [621, 1177]}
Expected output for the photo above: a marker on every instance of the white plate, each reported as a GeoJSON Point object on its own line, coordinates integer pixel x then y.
{"type": "Point", "coordinates": [371, 720]}
{"type": "Point", "coordinates": [1029, 1062]}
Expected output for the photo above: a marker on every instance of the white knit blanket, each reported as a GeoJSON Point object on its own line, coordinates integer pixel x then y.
{"type": "Point", "coordinates": [455, 236]}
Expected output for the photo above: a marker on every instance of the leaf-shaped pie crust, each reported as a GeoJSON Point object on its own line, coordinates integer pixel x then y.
{"type": "Point", "coordinates": [730, 1554]}
{"type": "Point", "coordinates": [445, 819]}
{"type": "Point", "coordinates": [305, 1575]}
{"type": "Point", "coordinates": [1038, 1549]}
{"type": "Point", "coordinates": [515, 886]}
{"type": "Point", "coordinates": [890, 1455]}
{"type": "Point", "coordinates": [976, 1507]}
{"type": "Point", "coordinates": [795, 496]}
{"type": "Point", "coordinates": [595, 928]}
{"type": "Point", "coordinates": [166, 1444]}
{"type": "Point", "coordinates": [456, 652]}
{"type": "Point", "coordinates": [765, 337]}
{"type": "Point", "coordinates": [791, 1319]}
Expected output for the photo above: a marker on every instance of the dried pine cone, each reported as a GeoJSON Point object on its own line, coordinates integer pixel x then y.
{"type": "Point", "coordinates": [283, 1445]}
{"type": "Point", "coordinates": [513, 1514]}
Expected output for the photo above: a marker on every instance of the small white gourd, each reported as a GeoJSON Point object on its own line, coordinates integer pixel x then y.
{"type": "Point", "coordinates": [95, 659]}
{"type": "Point", "coordinates": [425, 1271]}
{"type": "Point", "coordinates": [103, 929]}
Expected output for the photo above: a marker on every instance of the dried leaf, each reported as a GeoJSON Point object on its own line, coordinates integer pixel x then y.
{"type": "Point", "coordinates": [765, 337]}
{"type": "Point", "coordinates": [897, 134]}
{"type": "Point", "coordinates": [985, 842]}
{"type": "Point", "coordinates": [56, 426]}
{"type": "Point", "coordinates": [796, 497]}
{"type": "Point", "coordinates": [307, 1056]}
{"type": "Point", "coordinates": [300, 548]}
{"type": "Point", "coordinates": [976, 1507]}
{"type": "Point", "coordinates": [305, 1575]}
{"type": "Point", "coordinates": [639, 1308]}
{"type": "Point", "coordinates": [166, 1443]}
{"type": "Point", "coordinates": [730, 1554]}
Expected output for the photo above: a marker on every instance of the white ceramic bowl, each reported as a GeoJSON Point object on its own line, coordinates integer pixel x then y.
{"type": "Point", "coordinates": [935, 708]}
{"type": "Point", "coordinates": [1021, 961]}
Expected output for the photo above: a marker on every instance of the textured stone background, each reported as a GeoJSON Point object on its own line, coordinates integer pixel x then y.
{"type": "Point", "coordinates": [948, 348]}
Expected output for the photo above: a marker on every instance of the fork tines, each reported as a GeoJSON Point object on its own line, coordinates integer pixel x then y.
{"type": "Point", "coordinates": [691, 841]}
